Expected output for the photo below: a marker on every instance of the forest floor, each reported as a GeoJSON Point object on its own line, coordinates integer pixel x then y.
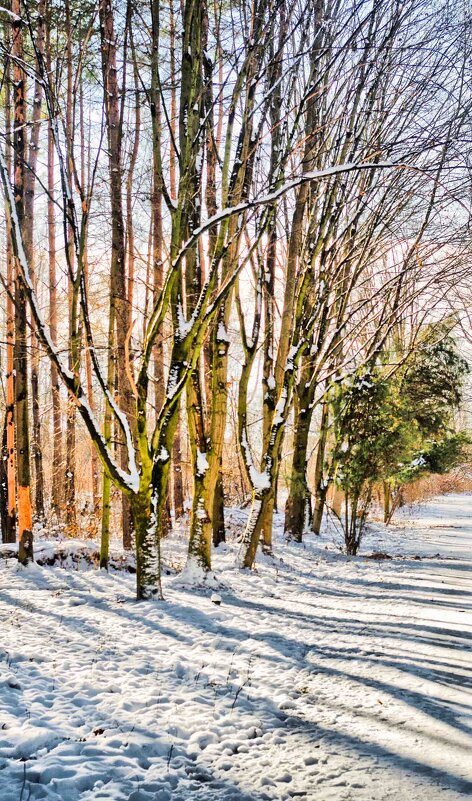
{"type": "Point", "coordinates": [319, 677]}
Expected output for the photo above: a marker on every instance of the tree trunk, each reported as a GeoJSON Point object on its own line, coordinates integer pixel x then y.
{"type": "Point", "coordinates": [353, 524]}
{"type": "Point", "coordinates": [158, 270]}
{"type": "Point", "coordinates": [74, 351]}
{"type": "Point", "coordinates": [173, 103]}
{"type": "Point", "coordinates": [199, 548]}
{"type": "Point", "coordinates": [147, 546]}
{"type": "Point", "coordinates": [218, 513]}
{"type": "Point", "coordinates": [30, 181]}
{"type": "Point", "coordinates": [270, 388]}
{"type": "Point", "coordinates": [147, 508]}
{"type": "Point", "coordinates": [6, 520]}
{"type": "Point", "coordinates": [295, 507]}
{"type": "Point", "coordinates": [149, 504]}
{"type": "Point", "coordinates": [25, 522]}
{"type": "Point", "coordinates": [118, 294]}
{"type": "Point", "coordinates": [337, 501]}
{"type": "Point", "coordinates": [10, 525]}
{"type": "Point", "coordinates": [189, 200]}
{"type": "Point", "coordinates": [268, 521]}
{"type": "Point", "coordinates": [178, 485]}
{"type": "Point", "coordinates": [254, 527]}
{"type": "Point", "coordinates": [320, 503]}
{"type": "Point", "coordinates": [4, 485]}
{"type": "Point", "coordinates": [9, 529]}
{"type": "Point", "coordinates": [107, 426]}
{"type": "Point", "coordinates": [126, 510]}
{"type": "Point", "coordinates": [387, 502]}
{"type": "Point", "coordinates": [56, 467]}
{"type": "Point", "coordinates": [85, 181]}
{"type": "Point", "coordinates": [321, 485]}
{"type": "Point", "coordinates": [94, 461]}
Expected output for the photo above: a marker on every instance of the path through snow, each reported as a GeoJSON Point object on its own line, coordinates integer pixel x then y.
{"type": "Point", "coordinates": [321, 677]}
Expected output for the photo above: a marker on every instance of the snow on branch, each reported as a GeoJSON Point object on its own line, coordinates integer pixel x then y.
{"type": "Point", "coordinates": [8, 13]}
{"type": "Point", "coordinates": [272, 197]}
{"type": "Point", "coordinates": [159, 311]}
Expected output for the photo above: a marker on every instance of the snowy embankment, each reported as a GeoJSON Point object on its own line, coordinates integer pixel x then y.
{"type": "Point", "coordinates": [320, 677]}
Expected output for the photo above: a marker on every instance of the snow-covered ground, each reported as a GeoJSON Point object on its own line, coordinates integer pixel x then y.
{"type": "Point", "coordinates": [320, 677]}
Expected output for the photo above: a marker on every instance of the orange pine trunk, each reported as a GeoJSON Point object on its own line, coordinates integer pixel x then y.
{"type": "Point", "coordinates": [25, 550]}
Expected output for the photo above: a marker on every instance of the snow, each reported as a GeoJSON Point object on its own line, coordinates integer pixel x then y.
{"type": "Point", "coordinates": [319, 677]}
{"type": "Point", "coordinates": [202, 463]}
{"type": "Point", "coordinates": [184, 325]}
{"type": "Point", "coordinates": [291, 357]}
{"type": "Point", "coordinates": [222, 334]}
{"type": "Point", "coordinates": [194, 575]}
{"type": "Point", "coordinates": [163, 455]}
{"type": "Point", "coordinates": [260, 480]}
{"type": "Point", "coordinates": [173, 381]}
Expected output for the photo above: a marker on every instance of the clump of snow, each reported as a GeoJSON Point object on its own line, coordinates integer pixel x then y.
{"type": "Point", "coordinates": [221, 333]}
{"type": "Point", "coordinates": [202, 463]}
{"type": "Point", "coordinates": [289, 364]}
{"type": "Point", "coordinates": [260, 480]}
{"type": "Point", "coordinates": [195, 575]}
{"type": "Point", "coordinates": [163, 455]}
